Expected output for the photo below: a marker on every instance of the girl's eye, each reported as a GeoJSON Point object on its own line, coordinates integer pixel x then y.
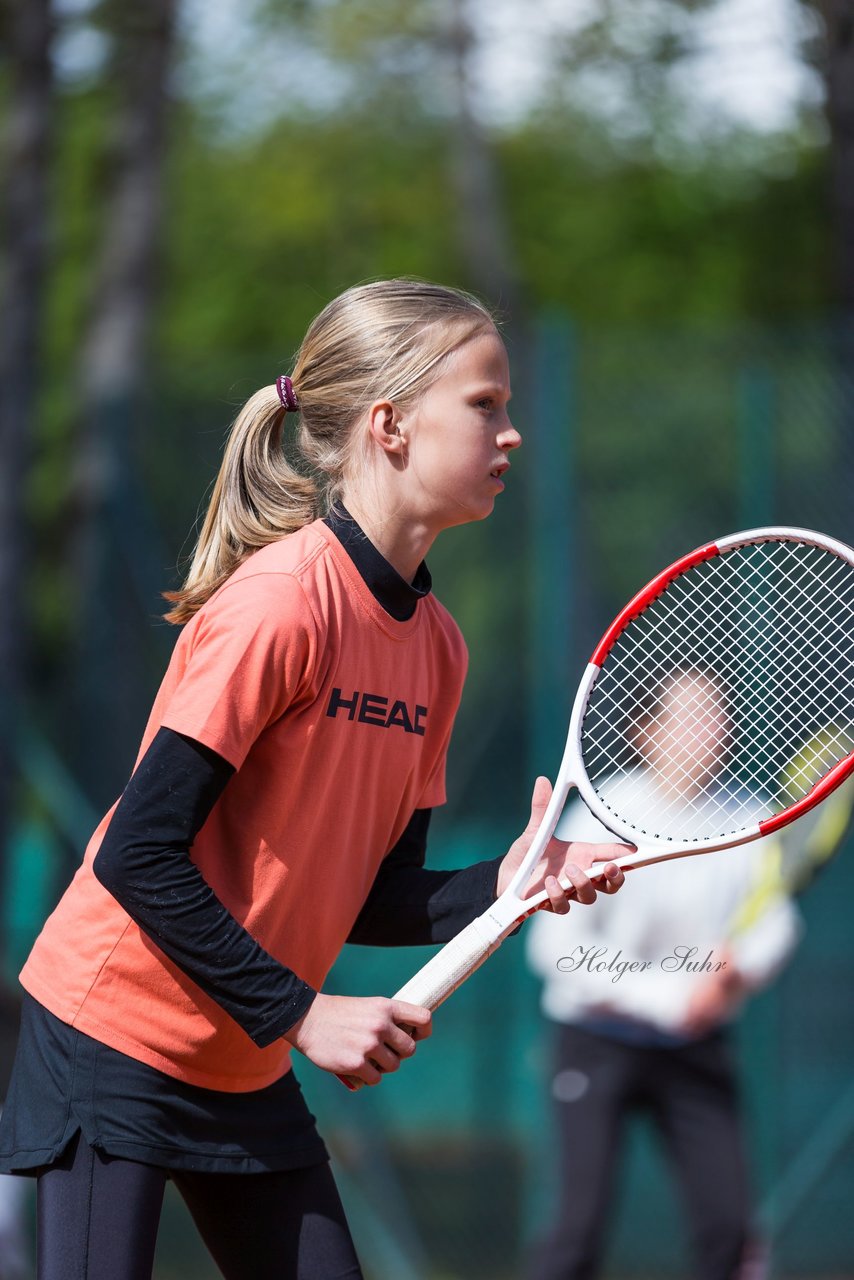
{"type": "Point", "coordinates": [485, 403]}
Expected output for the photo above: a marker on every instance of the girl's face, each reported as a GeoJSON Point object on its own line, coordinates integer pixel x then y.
{"type": "Point", "coordinates": [458, 436]}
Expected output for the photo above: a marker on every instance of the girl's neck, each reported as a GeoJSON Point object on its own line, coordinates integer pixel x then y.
{"type": "Point", "coordinates": [402, 541]}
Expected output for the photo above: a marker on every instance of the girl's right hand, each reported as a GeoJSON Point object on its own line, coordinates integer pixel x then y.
{"type": "Point", "coordinates": [349, 1035]}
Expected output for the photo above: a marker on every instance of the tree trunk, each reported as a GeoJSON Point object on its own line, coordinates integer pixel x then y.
{"type": "Point", "coordinates": [113, 366]}
{"type": "Point", "coordinates": [28, 27]}
{"type": "Point", "coordinates": [482, 229]}
{"type": "Point", "coordinates": [838, 70]}
{"type": "Point", "coordinates": [837, 67]}
{"type": "Point", "coordinates": [487, 250]}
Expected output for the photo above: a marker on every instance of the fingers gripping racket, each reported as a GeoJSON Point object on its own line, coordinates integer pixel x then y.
{"type": "Point", "coordinates": [766, 619]}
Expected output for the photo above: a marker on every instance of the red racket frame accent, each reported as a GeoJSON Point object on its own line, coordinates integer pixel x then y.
{"type": "Point", "coordinates": [646, 595]}
{"type": "Point", "coordinates": [823, 787]}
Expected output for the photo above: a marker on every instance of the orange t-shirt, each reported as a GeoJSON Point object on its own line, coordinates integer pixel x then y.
{"type": "Point", "coordinates": [337, 718]}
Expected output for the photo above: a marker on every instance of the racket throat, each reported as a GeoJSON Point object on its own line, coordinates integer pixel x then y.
{"type": "Point", "coordinates": [545, 831]}
{"type": "Point", "coordinates": [505, 915]}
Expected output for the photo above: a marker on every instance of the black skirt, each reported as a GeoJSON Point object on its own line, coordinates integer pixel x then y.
{"type": "Point", "coordinates": [64, 1082]}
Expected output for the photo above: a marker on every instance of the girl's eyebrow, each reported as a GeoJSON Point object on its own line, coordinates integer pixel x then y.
{"type": "Point", "coordinates": [490, 389]}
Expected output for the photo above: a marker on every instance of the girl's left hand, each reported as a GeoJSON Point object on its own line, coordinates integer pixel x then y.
{"type": "Point", "coordinates": [562, 859]}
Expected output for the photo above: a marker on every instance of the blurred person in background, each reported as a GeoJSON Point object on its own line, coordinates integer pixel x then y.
{"type": "Point", "coordinates": [641, 993]}
{"type": "Point", "coordinates": [15, 1255]}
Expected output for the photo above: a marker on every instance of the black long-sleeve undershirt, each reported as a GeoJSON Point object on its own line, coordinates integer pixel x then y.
{"type": "Point", "coordinates": [145, 863]}
{"type": "Point", "coordinates": [409, 904]}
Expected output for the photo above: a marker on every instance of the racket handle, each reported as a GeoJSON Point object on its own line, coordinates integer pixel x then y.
{"type": "Point", "coordinates": [444, 972]}
{"type": "Point", "coordinates": [449, 968]}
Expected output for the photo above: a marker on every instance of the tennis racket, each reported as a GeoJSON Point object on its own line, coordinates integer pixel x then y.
{"type": "Point", "coordinates": [768, 614]}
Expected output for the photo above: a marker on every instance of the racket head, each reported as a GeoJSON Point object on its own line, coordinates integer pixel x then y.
{"type": "Point", "coordinates": [708, 685]}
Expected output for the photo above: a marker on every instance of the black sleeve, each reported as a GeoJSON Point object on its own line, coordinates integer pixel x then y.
{"type": "Point", "coordinates": [144, 862]}
{"type": "Point", "coordinates": [408, 904]}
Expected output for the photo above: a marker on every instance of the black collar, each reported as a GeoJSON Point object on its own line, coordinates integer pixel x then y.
{"type": "Point", "coordinates": [388, 588]}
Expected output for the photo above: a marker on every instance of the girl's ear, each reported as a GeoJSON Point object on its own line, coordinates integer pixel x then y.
{"type": "Point", "coordinates": [383, 425]}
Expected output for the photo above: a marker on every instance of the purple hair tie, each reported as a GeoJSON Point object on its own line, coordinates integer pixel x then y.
{"type": "Point", "coordinates": [287, 395]}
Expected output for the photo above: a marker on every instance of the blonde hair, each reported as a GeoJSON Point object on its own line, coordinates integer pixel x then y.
{"type": "Point", "coordinates": [387, 340]}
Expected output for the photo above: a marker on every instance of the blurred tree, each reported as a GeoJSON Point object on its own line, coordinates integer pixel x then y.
{"type": "Point", "coordinates": [482, 216]}
{"type": "Point", "coordinates": [27, 30]}
{"type": "Point", "coordinates": [616, 65]}
{"type": "Point", "coordinates": [112, 366]}
{"type": "Point", "coordinates": [833, 51]}
{"type": "Point", "coordinates": [412, 63]}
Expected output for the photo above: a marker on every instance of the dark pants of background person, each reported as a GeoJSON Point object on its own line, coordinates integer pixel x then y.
{"type": "Point", "coordinates": [691, 1095]}
{"type": "Point", "coordinates": [98, 1217]}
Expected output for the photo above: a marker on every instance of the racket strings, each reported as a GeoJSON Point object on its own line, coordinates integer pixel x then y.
{"type": "Point", "coordinates": [787, 598]}
{"type": "Point", "coordinates": [772, 676]}
{"type": "Point", "coordinates": [694, 726]}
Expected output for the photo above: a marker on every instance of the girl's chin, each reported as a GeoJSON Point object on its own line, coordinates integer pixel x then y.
{"type": "Point", "coordinates": [480, 512]}
{"type": "Point", "coordinates": [468, 511]}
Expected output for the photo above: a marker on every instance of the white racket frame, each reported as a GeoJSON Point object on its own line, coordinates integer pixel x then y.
{"type": "Point", "coordinates": [460, 957]}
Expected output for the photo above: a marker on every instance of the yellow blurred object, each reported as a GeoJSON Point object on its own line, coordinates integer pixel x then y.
{"type": "Point", "coordinates": [798, 852]}
{"type": "Point", "coordinates": [823, 750]}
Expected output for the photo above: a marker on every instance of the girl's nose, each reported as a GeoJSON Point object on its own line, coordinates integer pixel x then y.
{"type": "Point", "coordinates": [509, 438]}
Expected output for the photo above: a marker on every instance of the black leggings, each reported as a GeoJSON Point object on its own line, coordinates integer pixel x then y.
{"type": "Point", "coordinates": [690, 1093]}
{"type": "Point", "coordinates": [98, 1217]}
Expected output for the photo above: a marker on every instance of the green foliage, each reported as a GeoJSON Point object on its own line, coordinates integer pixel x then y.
{"type": "Point", "coordinates": [260, 235]}
{"type": "Point", "coordinates": [616, 239]}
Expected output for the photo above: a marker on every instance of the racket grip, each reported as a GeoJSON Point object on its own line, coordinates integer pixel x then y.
{"type": "Point", "coordinates": [449, 968]}
{"type": "Point", "coordinates": [444, 972]}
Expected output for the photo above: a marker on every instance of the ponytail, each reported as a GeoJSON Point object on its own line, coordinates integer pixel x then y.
{"type": "Point", "coordinates": [258, 497]}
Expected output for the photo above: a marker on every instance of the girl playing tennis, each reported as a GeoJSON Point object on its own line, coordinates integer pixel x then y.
{"type": "Point", "coordinates": [279, 808]}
